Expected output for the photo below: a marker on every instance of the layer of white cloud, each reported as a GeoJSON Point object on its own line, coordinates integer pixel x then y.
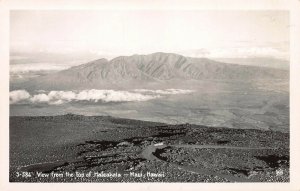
{"type": "Point", "coordinates": [93, 95]}
{"type": "Point", "coordinates": [237, 52]}
{"type": "Point", "coordinates": [18, 95]}
{"type": "Point", "coordinates": [35, 67]}
{"type": "Point", "coordinates": [165, 92]}
{"type": "Point", "coordinates": [40, 98]}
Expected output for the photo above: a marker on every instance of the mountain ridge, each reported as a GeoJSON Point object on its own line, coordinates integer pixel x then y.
{"type": "Point", "coordinates": [157, 67]}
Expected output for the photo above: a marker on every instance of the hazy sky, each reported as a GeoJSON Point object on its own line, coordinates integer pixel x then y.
{"type": "Point", "coordinates": [192, 33]}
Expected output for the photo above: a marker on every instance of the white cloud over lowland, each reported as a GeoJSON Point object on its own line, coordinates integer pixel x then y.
{"type": "Point", "coordinates": [93, 95]}
{"type": "Point", "coordinates": [166, 92]}
{"type": "Point", "coordinates": [18, 95]}
{"type": "Point", "coordinates": [35, 67]}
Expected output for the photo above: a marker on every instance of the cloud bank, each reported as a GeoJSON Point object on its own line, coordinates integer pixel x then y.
{"type": "Point", "coordinates": [93, 95]}
{"type": "Point", "coordinates": [165, 92]}
{"type": "Point", "coordinates": [18, 95]}
{"type": "Point", "coordinates": [36, 67]}
{"type": "Point", "coordinates": [280, 52]}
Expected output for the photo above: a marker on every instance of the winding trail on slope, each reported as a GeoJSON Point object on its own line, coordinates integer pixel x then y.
{"type": "Point", "coordinates": [147, 153]}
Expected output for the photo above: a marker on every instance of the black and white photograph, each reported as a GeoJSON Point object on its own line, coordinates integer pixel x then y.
{"type": "Point", "coordinates": [149, 96]}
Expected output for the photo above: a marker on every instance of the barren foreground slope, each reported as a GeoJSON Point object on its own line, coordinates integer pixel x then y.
{"type": "Point", "coordinates": [107, 149]}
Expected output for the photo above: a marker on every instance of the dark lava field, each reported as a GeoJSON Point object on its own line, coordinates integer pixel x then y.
{"type": "Point", "coordinates": [76, 148]}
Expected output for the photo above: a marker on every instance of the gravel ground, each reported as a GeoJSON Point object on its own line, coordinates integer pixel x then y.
{"type": "Point", "coordinates": [74, 148]}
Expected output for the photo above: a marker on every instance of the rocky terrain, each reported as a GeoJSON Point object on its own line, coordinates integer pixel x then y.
{"type": "Point", "coordinates": [75, 148]}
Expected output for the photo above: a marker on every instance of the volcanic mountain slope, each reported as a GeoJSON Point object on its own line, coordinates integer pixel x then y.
{"type": "Point", "coordinates": [143, 69]}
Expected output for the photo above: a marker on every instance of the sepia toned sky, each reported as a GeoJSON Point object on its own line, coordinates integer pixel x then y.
{"type": "Point", "coordinates": [191, 33]}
